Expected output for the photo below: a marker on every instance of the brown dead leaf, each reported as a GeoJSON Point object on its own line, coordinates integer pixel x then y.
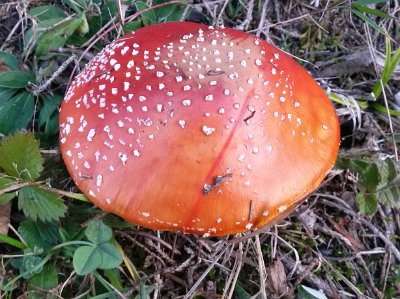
{"type": "Point", "coordinates": [343, 231]}
{"type": "Point", "coordinates": [308, 219]}
{"type": "Point", "coordinates": [3, 67]}
{"type": "Point", "coordinates": [5, 211]}
{"type": "Point", "coordinates": [276, 278]}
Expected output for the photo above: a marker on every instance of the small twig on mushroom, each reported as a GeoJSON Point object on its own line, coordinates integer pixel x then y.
{"type": "Point", "coordinates": [251, 211]}
{"type": "Point", "coordinates": [218, 180]}
{"type": "Point", "coordinates": [214, 73]}
{"type": "Point", "coordinates": [249, 117]}
{"type": "Point", "coordinates": [85, 177]}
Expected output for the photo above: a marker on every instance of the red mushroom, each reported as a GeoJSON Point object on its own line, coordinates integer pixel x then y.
{"type": "Point", "coordinates": [181, 126]}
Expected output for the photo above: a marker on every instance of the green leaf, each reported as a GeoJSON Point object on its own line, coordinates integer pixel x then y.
{"type": "Point", "coordinates": [47, 15]}
{"type": "Point", "coordinates": [57, 36]}
{"type": "Point", "coordinates": [7, 197]}
{"type": "Point", "coordinates": [387, 172]}
{"type": "Point", "coordinates": [86, 259]}
{"type": "Point", "coordinates": [9, 60]}
{"type": "Point", "coordinates": [144, 291]}
{"type": "Point", "coordinates": [52, 125]}
{"type": "Point", "coordinates": [108, 10]}
{"type": "Point", "coordinates": [11, 241]}
{"type": "Point", "coordinates": [148, 17]}
{"type": "Point", "coordinates": [46, 279]}
{"type": "Point", "coordinates": [240, 292]}
{"type": "Point", "coordinates": [378, 182]}
{"type": "Point", "coordinates": [132, 26]}
{"type": "Point", "coordinates": [39, 203]}
{"type": "Point", "coordinates": [16, 112]}
{"type": "Point", "coordinates": [39, 234]}
{"type": "Point", "coordinates": [390, 195]}
{"type": "Point", "coordinates": [391, 63]}
{"type": "Point", "coordinates": [110, 255]}
{"type": "Point", "coordinates": [31, 235]}
{"type": "Point", "coordinates": [367, 202]}
{"type": "Point", "coordinates": [6, 93]}
{"type": "Point", "coordinates": [371, 11]}
{"type": "Point", "coordinates": [20, 157]}
{"type": "Point", "coordinates": [114, 278]}
{"type": "Point", "coordinates": [382, 109]}
{"type": "Point", "coordinates": [76, 5]}
{"type": "Point", "coordinates": [369, 173]}
{"type": "Point", "coordinates": [107, 295]}
{"type": "Point", "coordinates": [6, 182]}
{"type": "Point", "coordinates": [94, 23]}
{"type": "Point", "coordinates": [16, 79]}
{"type": "Point", "coordinates": [30, 265]}
{"type": "Point", "coordinates": [97, 232]}
{"type": "Point", "coordinates": [83, 28]}
{"type": "Point", "coordinates": [170, 12]}
{"type": "Point", "coordinates": [50, 106]}
{"type": "Point", "coordinates": [369, 177]}
{"type": "Point", "coordinates": [368, 20]}
{"type": "Point", "coordinates": [309, 293]}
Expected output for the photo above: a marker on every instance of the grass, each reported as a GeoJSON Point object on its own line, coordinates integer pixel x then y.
{"type": "Point", "coordinates": [343, 242]}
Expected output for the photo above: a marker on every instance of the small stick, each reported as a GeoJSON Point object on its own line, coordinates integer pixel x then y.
{"type": "Point", "coordinates": [249, 117]}
{"type": "Point", "coordinates": [218, 180]}
{"type": "Point", "coordinates": [214, 73]}
{"type": "Point", "coordinates": [57, 73]}
{"type": "Point", "coordinates": [251, 211]}
{"type": "Point", "coordinates": [261, 267]}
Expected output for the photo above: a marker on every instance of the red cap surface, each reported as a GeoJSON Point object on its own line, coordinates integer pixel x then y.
{"type": "Point", "coordinates": [181, 126]}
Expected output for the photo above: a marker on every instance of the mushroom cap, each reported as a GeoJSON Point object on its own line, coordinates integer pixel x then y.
{"type": "Point", "coordinates": [211, 131]}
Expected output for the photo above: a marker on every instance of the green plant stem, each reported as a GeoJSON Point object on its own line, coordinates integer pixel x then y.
{"type": "Point", "coordinates": [69, 244]}
{"type": "Point", "coordinates": [12, 241]}
{"type": "Point", "coordinates": [78, 196]}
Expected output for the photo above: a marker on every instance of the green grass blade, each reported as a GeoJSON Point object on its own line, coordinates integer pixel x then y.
{"type": "Point", "coordinates": [371, 11]}
{"type": "Point", "coordinates": [11, 241]}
